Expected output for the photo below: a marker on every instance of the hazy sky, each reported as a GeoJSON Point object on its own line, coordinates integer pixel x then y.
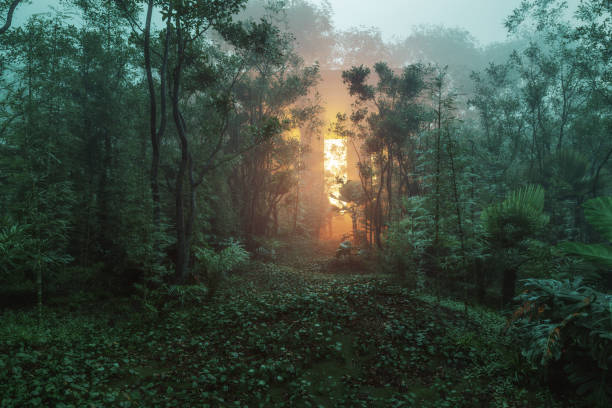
{"type": "Point", "coordinates": [484, 19]}
{"type": "Point", "coordinates": [396, 18]}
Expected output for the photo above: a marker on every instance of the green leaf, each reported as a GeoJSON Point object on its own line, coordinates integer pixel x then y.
{"type": "Point", "coordinates": [600, 253]}
{"type": "Point", "coordinates": [598, 213]}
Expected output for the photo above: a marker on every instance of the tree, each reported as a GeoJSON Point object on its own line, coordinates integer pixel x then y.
{"type": "Point", "coordinates": [275, 90]}
{"type": "Point", "coordinates": [386, 117]}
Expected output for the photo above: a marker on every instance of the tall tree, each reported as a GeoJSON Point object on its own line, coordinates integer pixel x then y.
{"type": "Point", "coordinates": [387, 116]}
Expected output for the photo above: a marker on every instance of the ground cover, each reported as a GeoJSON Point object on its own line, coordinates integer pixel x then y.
{"type": "Point", "coordinates": [285, 334]}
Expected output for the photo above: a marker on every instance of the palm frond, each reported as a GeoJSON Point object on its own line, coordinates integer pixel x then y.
{"type": "Point", "coordinates": [519, 216]}
{"type": "Point", "coordinates": [599, 253]}
{"type": "Point", "coordinates": [598, 212]}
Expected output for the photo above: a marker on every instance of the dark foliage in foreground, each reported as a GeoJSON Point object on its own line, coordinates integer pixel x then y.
{"type": "Point", "coordinates": [335, 341]}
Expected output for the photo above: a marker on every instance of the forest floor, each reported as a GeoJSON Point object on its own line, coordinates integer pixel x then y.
{"type": "Point", "coordinates": [290, 333]}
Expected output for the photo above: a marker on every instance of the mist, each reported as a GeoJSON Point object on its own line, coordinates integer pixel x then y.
{"type": "Point", "coordinates": [305, 203]}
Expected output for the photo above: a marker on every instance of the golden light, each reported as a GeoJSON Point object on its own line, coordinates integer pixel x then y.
{"type": "Point", "coordinates": [293, 134]}
{"type": "Point", "coordinates": [335, 168]}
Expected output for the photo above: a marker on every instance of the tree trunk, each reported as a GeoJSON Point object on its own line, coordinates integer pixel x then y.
{"type": "Point", "coordinates": [39, 292]}
{"type": "Point", "coordinates": [182, 241]}
{"type": "Point", "coordinates": [155, 133]}
{"type": "Point", "coordinates": [508, 285]}
{"type": "Point", "coordinates": [103, 194]}
{"type": "Point", "coordinates": [390, 184]}
{"type": "Point", "coordinates": [480, 280]}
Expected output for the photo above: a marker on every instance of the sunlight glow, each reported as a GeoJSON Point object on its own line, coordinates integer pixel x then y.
{"type": "Point", "coordinates": [293, 134]}
{"type": "Point", "coordinates": [335, 167]}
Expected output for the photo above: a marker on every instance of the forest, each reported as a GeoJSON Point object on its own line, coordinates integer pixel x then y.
{"type": "Point", "coordinates": [234, 203]}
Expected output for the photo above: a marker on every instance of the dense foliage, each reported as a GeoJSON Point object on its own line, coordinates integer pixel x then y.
{"type": "Point", "coordinates": [163, 193]}
{"type": "Point", "coordinates": [278, 337]}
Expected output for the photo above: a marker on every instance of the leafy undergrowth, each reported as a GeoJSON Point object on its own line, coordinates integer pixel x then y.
{"type": "Point", "coordinates": [273, 337]}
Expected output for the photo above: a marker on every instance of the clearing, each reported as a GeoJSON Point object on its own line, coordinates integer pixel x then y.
{"type": "Point", "coordinates": [283, 334]}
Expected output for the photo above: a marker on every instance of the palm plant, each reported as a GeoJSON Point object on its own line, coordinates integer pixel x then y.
{"type": "Point", "coordinates": [509, 225]}
{"type": "Point", "coordinates": [515, 219]}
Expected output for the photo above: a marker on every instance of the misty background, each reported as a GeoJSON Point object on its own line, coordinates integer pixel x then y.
{"type": "Point", "coordinates": [466, 35]}
{"type": "Point", "coordinates": [393, 19]}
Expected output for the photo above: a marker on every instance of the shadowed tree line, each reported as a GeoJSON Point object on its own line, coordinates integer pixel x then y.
{"type": "Point", "coordinates": [123, 143]}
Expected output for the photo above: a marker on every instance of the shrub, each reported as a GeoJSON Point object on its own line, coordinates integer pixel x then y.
{"type": "Point", "coordinates": [406, 242]}
{"type": "Point", "coordinates": [214, 266]}
{"type": "Point", "coordinates": [571, 323]}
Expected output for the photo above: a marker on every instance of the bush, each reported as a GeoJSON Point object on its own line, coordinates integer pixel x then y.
{"type": "Point", "coordinates": [568, 322]}
{"type": "Point", "coordinates": [407, 241]}
{"type": "Point", "coordinates": [213, 266]}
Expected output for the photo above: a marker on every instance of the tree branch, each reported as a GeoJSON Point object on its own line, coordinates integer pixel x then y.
{"type": "Point", "coordinates": [9, 16]}
{"type": "Point", "coordinates": [130, 18]}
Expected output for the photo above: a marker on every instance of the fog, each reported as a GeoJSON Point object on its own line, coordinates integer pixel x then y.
{"type": "Point", "coordinates": [322, 203]}
{"type": "Point", "coordinates": [396, 19]}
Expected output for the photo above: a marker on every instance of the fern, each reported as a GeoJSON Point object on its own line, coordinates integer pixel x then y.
{"type": "Point", "coordinates": [570, 322]}
{"type": "Point", "coordinates": [598, 212]}
{"type": "Point", "coordinates": [598, 253]}
{"type": "Point", "coordinates": [215, 266]}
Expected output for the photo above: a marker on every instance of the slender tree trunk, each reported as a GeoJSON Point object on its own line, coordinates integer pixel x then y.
{"type": "Point", "coordinates": [378, 225]}
{"type": "Point", "coordinates": [39, 293]}
{"type": "Point", "coordinates": [182, 241]}
{"type": "Point", "coordinates": [181, 266]}
{"type": "Point", "coordinates": [458, 212]}
{"type": "Point", "coordinates": [103, 193]}
{"type": "Point", "coordinates": [275, 214]}
{"type": "Point", "coordinates": [354, 219]}
{"type": "Point", "coordinates": [390, 184]}
{"type": "Point", "coordinates": [437, 176]}
{"type": "Point", "coordinates": [193, 209]}
{"type": "Point", "coordinates": [153, 125]}
{"type": "Point", "coordinates": [155, 133]}
{"type": "Point", "coordinates": [436, 243]}
{"type": "Point", "coordinates": [378, 211]}
{"type": "Point", "coordinates": [508, 285]}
